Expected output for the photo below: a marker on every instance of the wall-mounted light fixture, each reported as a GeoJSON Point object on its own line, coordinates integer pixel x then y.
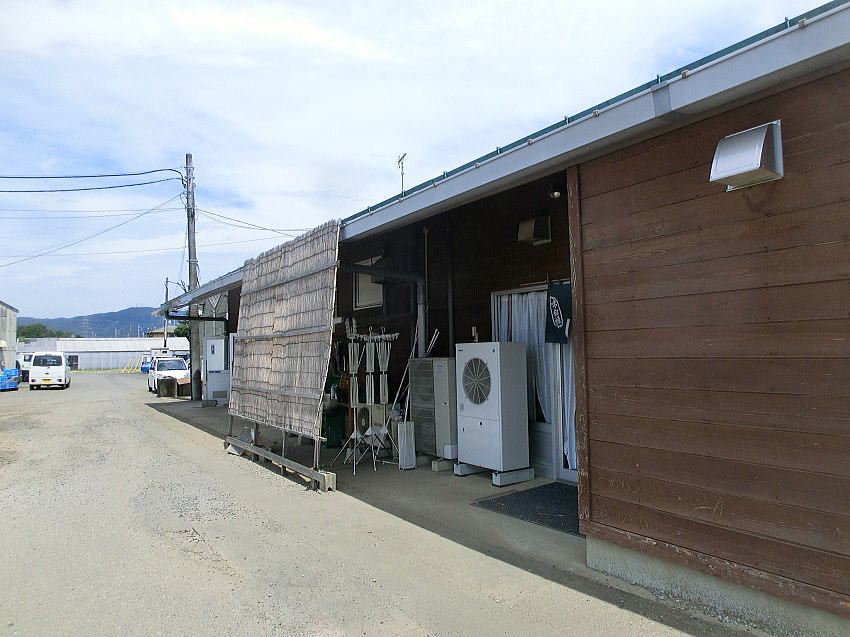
{"type": "Point", "coordinates": [749, 158]}
{"type": "Point", "coordinates": [554, 194]}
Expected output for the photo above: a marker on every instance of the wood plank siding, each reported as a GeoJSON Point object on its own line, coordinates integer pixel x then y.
{"type": "Point", "coordinates": [717, 349]}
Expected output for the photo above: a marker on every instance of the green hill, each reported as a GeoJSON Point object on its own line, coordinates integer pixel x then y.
{"type": "Point", "coordinates": [133, 321]}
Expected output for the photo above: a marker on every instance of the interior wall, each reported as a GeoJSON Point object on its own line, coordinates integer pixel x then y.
{"type": "Point", "coordinates": [481, 238]}
{"type": "Point", "coordinates": [718, 396]}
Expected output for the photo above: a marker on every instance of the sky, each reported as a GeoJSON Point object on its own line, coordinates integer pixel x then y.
{"type": "Point", "coordinates": [295, 113]}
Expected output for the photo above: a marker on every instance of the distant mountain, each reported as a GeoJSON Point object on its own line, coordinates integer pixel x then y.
{"type": "Point", "coordinates": [133, 321]}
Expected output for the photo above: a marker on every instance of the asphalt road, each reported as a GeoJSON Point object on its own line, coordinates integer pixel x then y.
{"type": "Point", "coordinates": [118, 519]}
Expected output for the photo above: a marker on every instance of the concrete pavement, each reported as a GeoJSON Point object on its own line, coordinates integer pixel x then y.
{"type": "Point", "coordinates": [120, 519]}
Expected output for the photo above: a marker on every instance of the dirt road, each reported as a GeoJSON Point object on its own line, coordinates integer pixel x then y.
{"type": "Point", "coordinates": [119, 519]}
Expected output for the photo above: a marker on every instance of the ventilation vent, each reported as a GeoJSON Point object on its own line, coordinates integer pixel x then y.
{"type": "Point", "coordinates": [476, 380]}
{"type": "Point", "coordinates": [749, 158]}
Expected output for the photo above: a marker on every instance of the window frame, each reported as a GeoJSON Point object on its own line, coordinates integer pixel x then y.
{"type": "Point", "coordinates": [356, 287]}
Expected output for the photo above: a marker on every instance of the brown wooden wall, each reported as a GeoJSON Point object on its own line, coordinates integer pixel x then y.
{"type": "Point", "coordinates": [718, 349]}
{"type": "Point", "coordinates": [487, 258]}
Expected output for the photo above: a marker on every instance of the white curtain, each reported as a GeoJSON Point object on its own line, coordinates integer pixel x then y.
{"type": "Point", "coordinates": [550, 366]}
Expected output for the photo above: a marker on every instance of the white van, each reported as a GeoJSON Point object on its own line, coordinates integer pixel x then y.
{"type": "Point", "coordinates": [49, 369]}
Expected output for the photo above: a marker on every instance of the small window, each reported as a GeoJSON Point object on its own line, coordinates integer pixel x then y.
{"type": "Point", "coordinates": [27, 358]}
{"type": "Point", "coordinates": [47, 360]}
{"type": "Point", "coordinates": [367, 293]}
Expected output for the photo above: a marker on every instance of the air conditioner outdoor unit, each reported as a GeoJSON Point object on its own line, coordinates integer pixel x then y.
{"type": "Point", "coordinates": [492, 405]}
{"type": "Point", "coordinates": [367, 415]}
{"type": "Point", "coordinates": [433, 406]}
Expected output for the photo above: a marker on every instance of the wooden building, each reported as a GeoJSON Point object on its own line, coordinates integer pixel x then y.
{"type": "Point", "coordinates": [711, 329]}
{"type": "Point", "coordinates": [710, 345]}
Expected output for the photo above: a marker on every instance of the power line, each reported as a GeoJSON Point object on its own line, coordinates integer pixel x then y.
{"type": "Point", "coordinates": [143, 172]}
{"type": "Point", "coordinates": [59, 245]}
{"type": "Point", "coordinates": [75, 210]}
{"type": "Point", "coordinates": [91, 236]}
{"type": "Point", "coordinates": [182, 255]}
{"type": "Point", "coordinates": [51, 217]}
{"type": "Point", "coordinates": [200, 245]}
{"type": "Point", "coordinates": [141, 183]}
{"type": "Point", "coordinates": [218, 217]}
{"type": "Point", "coordinates": [236, 225]}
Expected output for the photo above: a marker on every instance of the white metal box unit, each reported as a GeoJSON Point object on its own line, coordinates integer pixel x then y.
{"type": "Point", "coordinates": [492, 405]}
{"type": "Point", "coordinates": [216, 372]}
{"type": "Point", "coordinates": [433, 406]}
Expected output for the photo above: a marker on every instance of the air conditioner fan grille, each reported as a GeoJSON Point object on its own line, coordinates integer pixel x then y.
{"type": "Point", "coordinates": [476, 380]}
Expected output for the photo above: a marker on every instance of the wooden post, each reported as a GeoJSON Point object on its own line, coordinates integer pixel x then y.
{"type": "Point", "coordinates": [578, 336]}
{"type": "Point", "coordinates": [317, 446]}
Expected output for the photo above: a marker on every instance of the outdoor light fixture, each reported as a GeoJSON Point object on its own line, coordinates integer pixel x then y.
{"type": "Point", "coordinates": [748, 158]}
{"type": "Point", "coordinates": [554, 194]}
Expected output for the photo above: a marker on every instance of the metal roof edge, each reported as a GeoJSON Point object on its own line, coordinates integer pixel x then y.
{"type": "Point", "coordinates": [14, 309]}
{"type": "Point", "coordinates": [217, 286]}
{"type": "Point", "coordinates": [710, 81]}
{"type": "Point", "coordinates": [678, 100]}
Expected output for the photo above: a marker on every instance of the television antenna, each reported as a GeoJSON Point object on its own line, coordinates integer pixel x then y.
{"type": "Point", "coordinates": [401, 169]}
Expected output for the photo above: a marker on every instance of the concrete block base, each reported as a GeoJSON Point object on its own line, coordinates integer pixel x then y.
{"type": "Point", "coordinates": [716, 597]}
{"type": "Point", "coordinates": [463, 469]}
{"type": "Point", "coordinates": [442, 465]}
{"type": "Point", "coordinates": [504, 478]}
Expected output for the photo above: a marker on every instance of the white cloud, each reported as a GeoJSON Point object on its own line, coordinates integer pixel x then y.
{"type": "Point", "coordinates": [296, 111]}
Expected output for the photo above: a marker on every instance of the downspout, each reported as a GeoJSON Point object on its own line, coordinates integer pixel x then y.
{"type": "Point", "coordinates": [450, 292]}
{"type": "Point", "coordinates": [425, 276]}
{"type": "Point", "coordinates": [417, 279]}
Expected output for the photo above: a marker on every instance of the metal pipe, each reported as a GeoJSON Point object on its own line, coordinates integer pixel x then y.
{"type": "Point", "coordinates": [186, 317]}
{"type": "Point", "coordinates": [450, 289]}
{"type": "Point", "coordinates": [425, 274]}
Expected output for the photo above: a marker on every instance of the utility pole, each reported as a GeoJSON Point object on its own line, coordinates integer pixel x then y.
{"type": "Point", "coordinates": [165, 319]}
{"type": "Point", "coordinates": [194, 326]}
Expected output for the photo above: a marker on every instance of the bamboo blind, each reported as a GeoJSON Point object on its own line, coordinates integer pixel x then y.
{"type": "Point", "coordinates": [284, 340]}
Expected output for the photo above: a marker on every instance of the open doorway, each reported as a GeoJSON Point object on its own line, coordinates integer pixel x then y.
{"type": "Point", "coordinates": [520, 315]}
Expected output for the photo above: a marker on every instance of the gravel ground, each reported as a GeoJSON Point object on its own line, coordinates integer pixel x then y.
{"type": "Point", "coordinates": [119, 519]}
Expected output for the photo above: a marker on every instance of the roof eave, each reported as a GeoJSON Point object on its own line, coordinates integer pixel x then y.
{"type": "Point", "coordinates": [220, 285]}
{"type": "Point", "coordinates": [822, 42]}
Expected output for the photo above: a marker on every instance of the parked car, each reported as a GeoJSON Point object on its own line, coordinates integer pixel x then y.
{"type": "Point", "coordinates": [25, 364]}
{"type": "Point", "coordinates": [49, 369]}
{"type": "Point", "coordinates": [166, 368]}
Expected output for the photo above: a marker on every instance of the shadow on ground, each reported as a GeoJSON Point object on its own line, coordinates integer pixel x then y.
{"type": "Point", "coordinates": [441, 503]}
